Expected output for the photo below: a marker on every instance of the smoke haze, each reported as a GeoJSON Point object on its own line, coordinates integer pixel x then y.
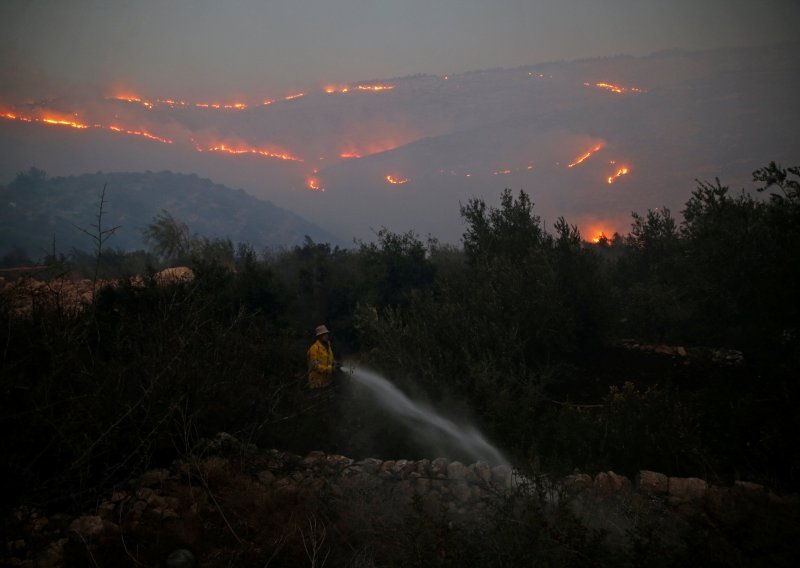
{"type": "Point", "coordinates": [394, 123]}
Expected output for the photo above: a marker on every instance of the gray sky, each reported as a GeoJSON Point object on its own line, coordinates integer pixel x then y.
{"type": "Point", "coordinates": [250, 48]}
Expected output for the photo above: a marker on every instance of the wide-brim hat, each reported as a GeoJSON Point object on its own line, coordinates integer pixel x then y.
{"type": "Point", "coordinates": [321, 330]}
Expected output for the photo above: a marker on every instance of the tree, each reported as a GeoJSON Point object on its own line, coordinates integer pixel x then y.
{"type": "Point", "coordinates": [169, 238]}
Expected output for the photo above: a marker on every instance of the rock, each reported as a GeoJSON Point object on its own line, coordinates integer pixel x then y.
{"type": "Point", "coordinates": [482, 471]}
{"type": "Point", "coordinates": [53, 555]}
{"type": "Point", "coordinates": [139, 508]}
{"type": "Point", "coordinates": [88, 526]}
{"type": "Point", "coordinates": [501, 476]}
{"type": "Point", "coordinates": [174, 275]}
{"type": "Point", "coordinates": [422, 485]}
{"type": "Point", "coordinates": [145, 493]}
{"type": "Point", "coordinates": [461, 491]}
{"type": "Point", "coordinates": [314, 458]}
{"type": "Point", "coordinates": [652, 482]}
{"type": "Point", "coordinates": [457, 470]}
{"type": "Point", "coordinates": [424, 467]}
{"type": "Point", "coordinates": [404, 490]}
{"type": "Point", "coordinates": [338, 461]}
{"type": "Point", "coordinates": [609, 483]}
{"type": "Point", "coordinates": [685, 489]}
{"type": "Point", "coordinates": [578, 482]}
{"type": "Point", "coordinates": [181, 558]}
{"type": "Point", "coordinates": [748, 487]}
{"type": "Point", "coordinates": [439, 467]}
{"type": "Point", "coordinates": [369, 465]}
{"type": "Point", "coordinates": [399, 467]}
{"type": "Point", "coordinates": [266, 477]}
{"type": "Point", "coordinates": [105, 510]}
{"type": "Point", "coordinates": [386, 469]}
{"type": "Point", "coordinates": [117, 496]}
{"type": "Point", "coordinates": [153, 477]}
{"type": "Point", "coordinates": [432, 501]}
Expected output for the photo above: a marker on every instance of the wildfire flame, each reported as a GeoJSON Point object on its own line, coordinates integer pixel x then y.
{"type": "Point", "coordinates": [620, 172]}
{"type": "Point", "coordinates": [396, 180]}
{"type": "Point", "coordinates": [501, 172]}
{"type": "Point", "coordinates": [583, 157]}
{"type": "Point", "coordinates": [294, 96]}
{"type": "Point", "coordinates": [314, 184]}
{"type": "Point", "coordinates": [143, 133]}
{"type": "Point", "coordinates": [349, 155]}
{"type": "Point", "coordinates": [614, 88]}
{"type": "Point", "coordinates": [333, 89]}
{"type": "Point", "coordinates": [60, 121]}
{"type": "Point", "coordinates": [256, 151]}
{"type": "Point", "coordinates": [132, 99]}
{"type": "Point", "coordinates": [375, 88]}
{"type": "Point", "coordinates": [601, 236]}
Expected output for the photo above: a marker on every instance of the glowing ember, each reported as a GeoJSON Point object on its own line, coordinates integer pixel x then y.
{"type": "Point", "coordinates": [375, 88]}
{"type": "Point", "coordinates": [267, 102]}
{"type": "Point", "coordinates": [292, 97]}
{"type": "Point", "coordinates": [349, 155]}
{"type": "Point", "coordinates": [614, 88]}
{"type": "Point", "coordinates": [583, 157]}
{"type": "Point", "coordinates": [314, 184]}
{"type": "Point", "coordinates": [255, 151]}
{"type": "Point", "coordinates": [332, 89]}
{"type": "Point", "coordinates": [396, 180]}
{"type": "Point", "coordinates": [620, 172]}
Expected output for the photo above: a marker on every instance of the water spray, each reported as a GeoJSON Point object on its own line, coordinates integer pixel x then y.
{"type": "Point", "coordinates": [466, 437]}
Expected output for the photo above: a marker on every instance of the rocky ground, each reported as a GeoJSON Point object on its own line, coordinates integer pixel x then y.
{"type": "Point", "coordinates": [66, 294]}
{"type": "Point", "coordinates": [230, 503]}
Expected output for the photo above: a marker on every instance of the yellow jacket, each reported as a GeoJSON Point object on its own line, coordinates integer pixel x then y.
{"type": "Point", "coordinates": [320, 365]}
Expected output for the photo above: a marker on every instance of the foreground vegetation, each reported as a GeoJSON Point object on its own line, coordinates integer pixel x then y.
{"type": "Point", "coordinates": [518, 329]}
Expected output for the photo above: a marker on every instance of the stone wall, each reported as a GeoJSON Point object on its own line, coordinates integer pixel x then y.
{"type": "Point", "coordinates": [225, 478]}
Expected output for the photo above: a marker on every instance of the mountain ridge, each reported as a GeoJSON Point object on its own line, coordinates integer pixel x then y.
{"type": "Point", "coordinates": [35, 210]}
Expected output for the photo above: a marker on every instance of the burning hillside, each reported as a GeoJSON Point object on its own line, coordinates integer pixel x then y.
{"type": "Point", "coordinates": [559, 131]}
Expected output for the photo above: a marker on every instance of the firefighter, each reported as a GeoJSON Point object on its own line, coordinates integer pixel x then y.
{"type": "Point", "coordinates": [321, 363]}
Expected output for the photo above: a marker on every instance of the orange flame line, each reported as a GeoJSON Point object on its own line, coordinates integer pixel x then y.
{"type": "Point", "coordinates": [583, 157]}
{"type": "Point", "coordinates": [620, 172]}
{"type": "Point", "coordinates": [396, 180]}
{"type": "Point", "coordinates": [255, 151]}
{"type": "Point", "coordinates": [375, 88]}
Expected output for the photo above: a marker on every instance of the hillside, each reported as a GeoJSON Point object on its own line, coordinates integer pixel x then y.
{"type": "Point", "coordinates": [36, 210]}
{"type": "Point", "coordinates": [404, 152]}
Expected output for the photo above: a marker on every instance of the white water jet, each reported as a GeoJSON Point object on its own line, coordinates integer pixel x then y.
{"type": "Point", "coordinates": [466, 437]}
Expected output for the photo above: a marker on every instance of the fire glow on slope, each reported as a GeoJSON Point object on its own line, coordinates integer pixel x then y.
{"type": "Point", "coordinates": [314, 184]}
{"type": "Point", "coordinates": [55, 120]}
{"type": "Point", "coordinates": [583, 157]}
{"type": "Point", "coordinates": [239, 150]}
{"type": "Point", "coordinates": [396, 180]}
{"type": "Point", "coordinates": [375, 88]}
{"type": "Point", "coordinates": [614, 88]}
{"type": "Point", "coordinates": [620, 172]}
